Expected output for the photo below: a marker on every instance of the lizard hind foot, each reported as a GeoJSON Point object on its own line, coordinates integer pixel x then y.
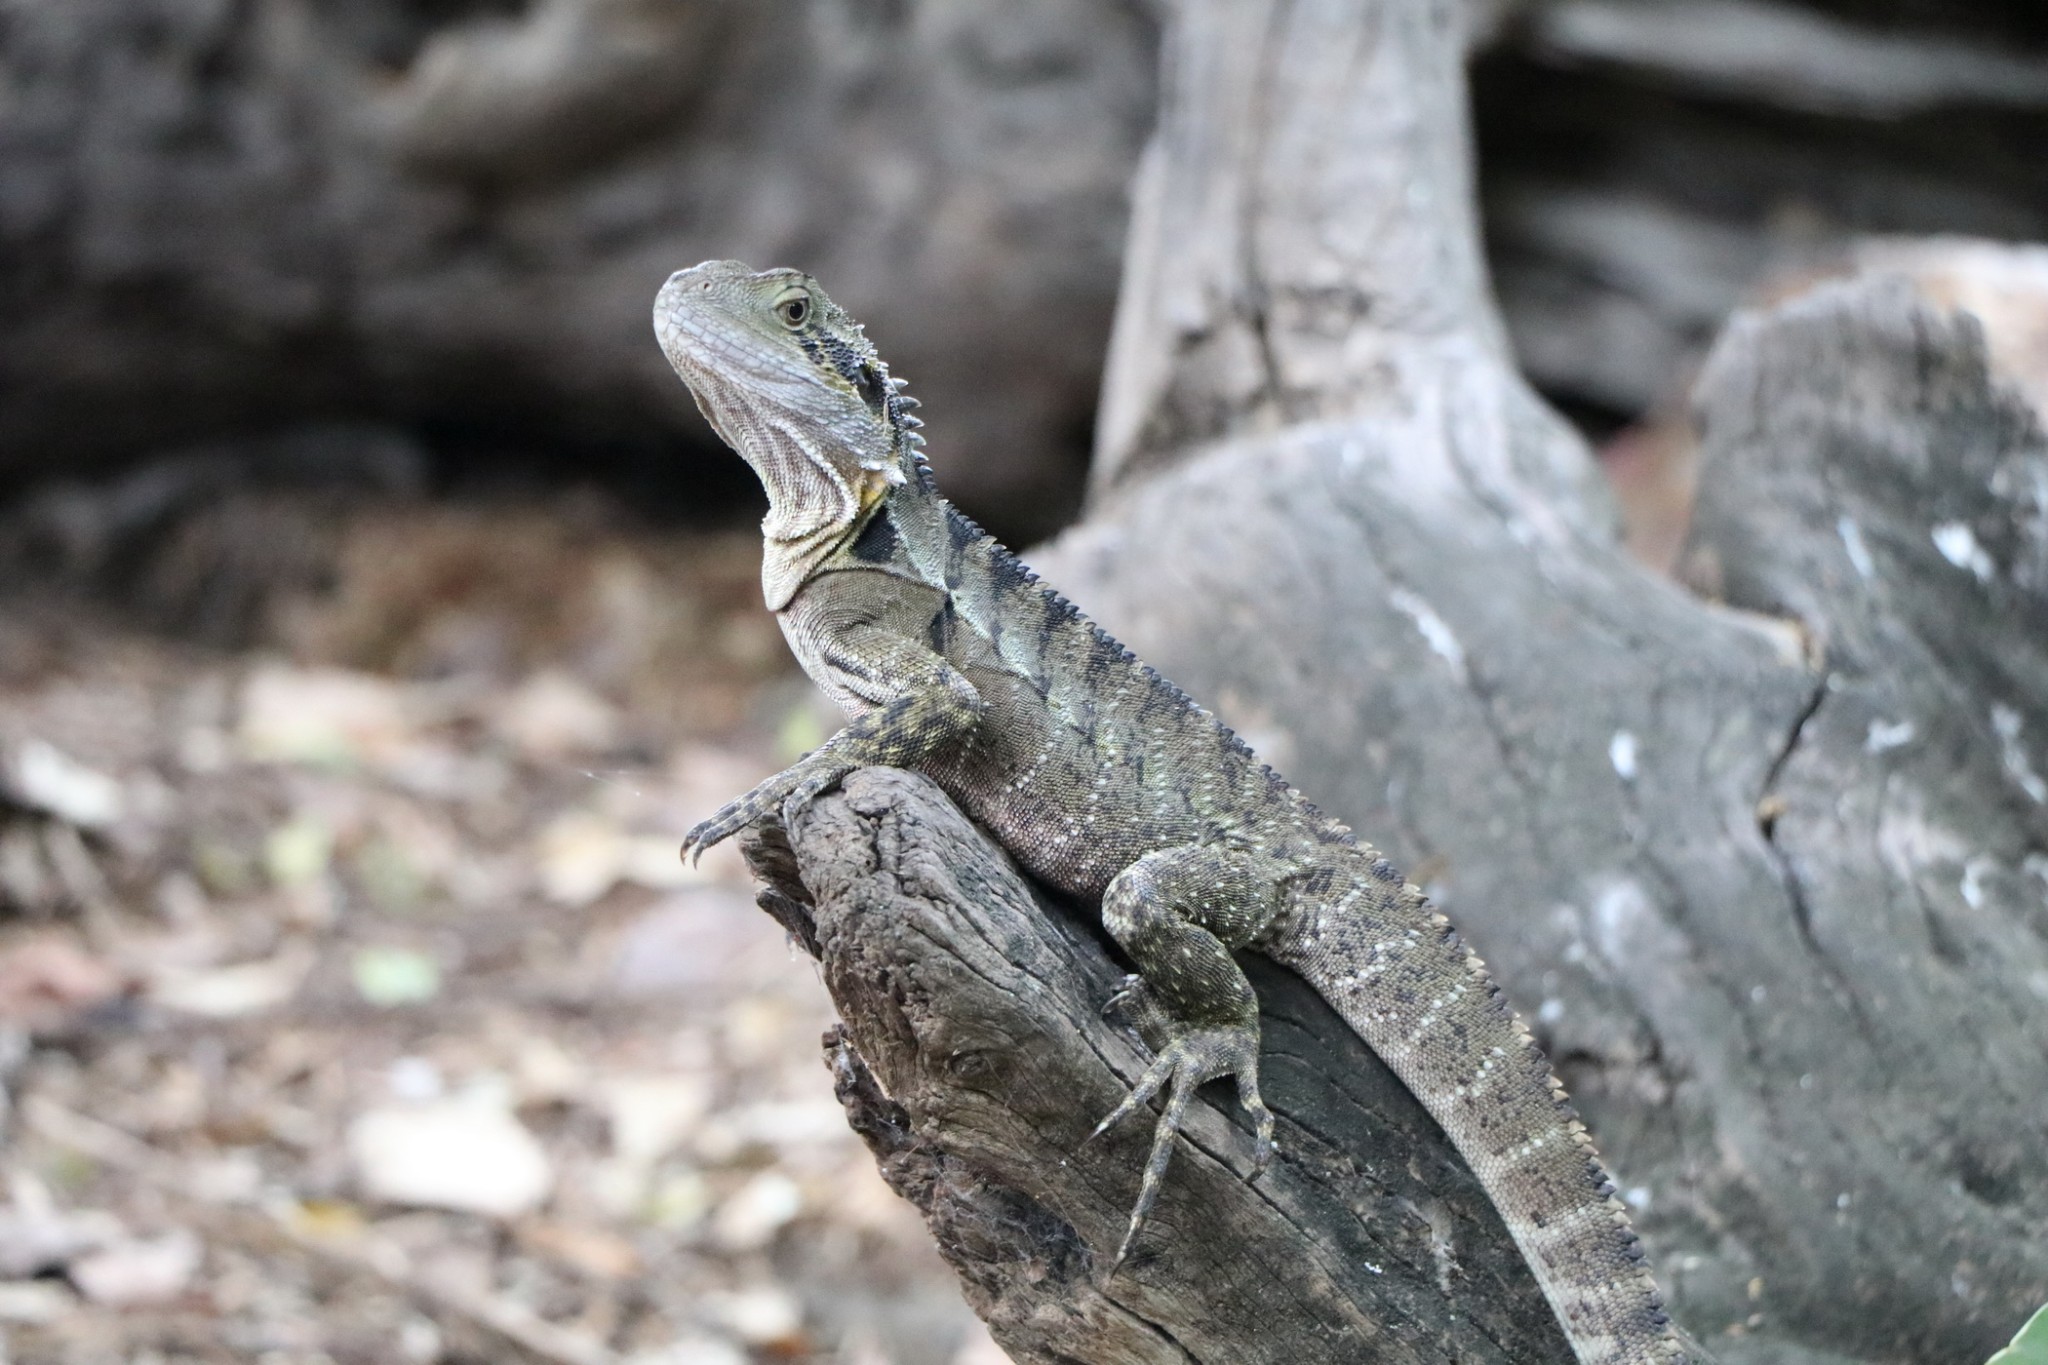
{"type": "Point", "coordinates": [1194, 1057]}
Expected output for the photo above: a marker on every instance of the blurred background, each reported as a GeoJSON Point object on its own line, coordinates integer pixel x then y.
{"type": "Point", "coordinates": [376, 612]}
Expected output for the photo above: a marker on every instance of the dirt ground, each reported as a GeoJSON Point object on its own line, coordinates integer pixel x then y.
{"type": "Point", "coordinates": [354, 1005]}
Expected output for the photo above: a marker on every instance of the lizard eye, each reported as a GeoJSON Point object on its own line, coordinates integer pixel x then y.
{"type": "Point", "coordinates": [794, 309]}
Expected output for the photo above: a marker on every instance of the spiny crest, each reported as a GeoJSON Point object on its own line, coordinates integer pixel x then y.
{"type": "Point", "coordinates": [906, 427]}
{"type": "Point", "coordinates": [1007, 565]}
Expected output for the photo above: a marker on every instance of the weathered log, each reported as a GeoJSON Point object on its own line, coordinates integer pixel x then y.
{"type": "Point", "coordinates": [1648, 166]}
{"type": "Point", "coordinates": [975, 1060]}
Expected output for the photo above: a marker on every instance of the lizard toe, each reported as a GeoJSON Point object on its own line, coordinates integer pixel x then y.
{"type": "Point", "coordinates": [1194, 1057]}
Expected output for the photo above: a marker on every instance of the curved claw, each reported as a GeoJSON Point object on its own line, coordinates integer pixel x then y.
{"type": "Point", "coordinates": [727, 821]}
{"type": "Point", "coordinates": [789, 792]}
{"type": "Point", "coordinates": [1263, 1145]}
{"type": "Point", "coordinates": [1129, 992]}
{"type": "Point", "coordinates": [1177, 1101]}
{"type": "Point", "coordinates": [1195, 1057]}
{"type": "Point", "coordinates": [1156, 1075]}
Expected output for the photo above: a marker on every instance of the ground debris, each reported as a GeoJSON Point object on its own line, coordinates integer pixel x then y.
{"type": "Point", "coordinates": [354, 1003]}
{"type": "Point", "coordinates": [140, 1272]}
{"type": "Point", "coordinates": [466, 1154]}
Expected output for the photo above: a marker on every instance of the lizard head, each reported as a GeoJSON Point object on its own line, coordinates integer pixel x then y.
{"type": "Point", "coordinates": [792, 383]}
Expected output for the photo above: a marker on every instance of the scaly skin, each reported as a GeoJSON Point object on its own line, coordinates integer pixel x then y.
{"type": "Point", "coordinates": [1106, 781]}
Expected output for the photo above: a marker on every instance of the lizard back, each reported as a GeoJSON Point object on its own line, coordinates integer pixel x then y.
{"type": "Point", "coordinates": [1088, 758]}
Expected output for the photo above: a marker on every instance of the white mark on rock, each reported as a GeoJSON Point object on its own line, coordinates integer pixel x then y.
{"type": "Point", "coordinates": [2007, 723]}
{"type": "Point", "coordinates": [1624, 926]}
{"type": "Point", "coordinates": [1852, 542]}
{"type": "Point", "coordinates": [1550, 1011]}
{"type": "Point", "coordinates": [1758, 995]}
{"type": "Point", "coordinates": [1973, 881]}
{"type": "Point", "coordinates": [1884, 735]}
{"type": "Point", "coordinates": [1621, 752]}
{"type": "Point", "coordinates": [1442, 1246]}
{"type": "Point", "coordinates": [1636, 1197]}
{"type": "Point", "coordinates": [1435, 631]}
{"type": "Point", "coordinates": [1958, 545]}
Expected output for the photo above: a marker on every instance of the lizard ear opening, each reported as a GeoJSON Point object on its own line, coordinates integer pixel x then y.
{"type": "Point", "coordinates": [872, 388]}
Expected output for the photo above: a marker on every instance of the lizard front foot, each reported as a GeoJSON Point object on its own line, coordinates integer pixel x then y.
{"type": "Point", "coordinates": [1195, 1056]}
{"type": "Point", "coordinates": [787, 793]}
{"type": "Point", "coordinates": [722, 824]}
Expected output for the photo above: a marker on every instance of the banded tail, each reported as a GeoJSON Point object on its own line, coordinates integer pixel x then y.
{"type": "Point", "coordinates": [1400, 976]}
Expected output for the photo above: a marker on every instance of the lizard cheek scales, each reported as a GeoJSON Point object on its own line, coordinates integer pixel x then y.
{"type": "Point", "coordinates": [1107, 782]}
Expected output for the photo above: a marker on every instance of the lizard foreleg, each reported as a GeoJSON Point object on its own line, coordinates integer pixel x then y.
{"type": "Point", "coordinates": [915, 702]}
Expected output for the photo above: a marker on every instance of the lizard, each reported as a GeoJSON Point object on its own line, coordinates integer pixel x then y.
{"type": "Point", "coordinates": [1110, 784]}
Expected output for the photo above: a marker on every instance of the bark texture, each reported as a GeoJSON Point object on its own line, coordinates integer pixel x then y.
{"type": "Point", "coordinates": [975, 1060]}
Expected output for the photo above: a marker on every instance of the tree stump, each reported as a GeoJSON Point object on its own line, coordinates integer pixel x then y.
{"type": "Point", "coordinates": [1766, 862]}
{"type": "Point", "coordinates": [1764, 859]}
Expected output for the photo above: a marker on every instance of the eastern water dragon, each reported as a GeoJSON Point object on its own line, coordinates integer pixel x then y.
{"type": "Point", "coordinates": [1108, 783]}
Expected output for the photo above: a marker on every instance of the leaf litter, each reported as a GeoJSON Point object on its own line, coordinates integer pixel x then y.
{"type": "Point", "coordinates": [355, 1006]}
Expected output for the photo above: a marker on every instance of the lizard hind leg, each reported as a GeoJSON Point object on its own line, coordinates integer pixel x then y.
{"type": "Point", "coordinates": [1178, 913]}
